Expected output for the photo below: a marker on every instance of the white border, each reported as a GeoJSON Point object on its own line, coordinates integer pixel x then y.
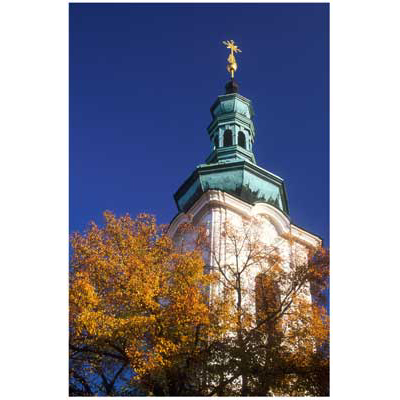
{"type": "Point", "coordinates": [364, 156]}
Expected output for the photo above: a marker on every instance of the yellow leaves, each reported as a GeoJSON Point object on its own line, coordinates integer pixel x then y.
{"type": "Point", "coordinates": [320, 324]}
{"type": "Point", "coordinates": [129, 283]}
{"type": "Point", "coordinates": [130, 287]}
{"type": "Point", "coordinates": [82, 294]}
{"type": "Point", "coordinates": [144, 361]}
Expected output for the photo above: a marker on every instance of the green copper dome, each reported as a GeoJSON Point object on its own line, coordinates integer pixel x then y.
{"type": "Point", "coordinates": [231, 166]}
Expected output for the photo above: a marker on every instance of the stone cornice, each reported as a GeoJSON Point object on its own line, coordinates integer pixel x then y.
{"type": "Point", "coordinates": [217, 198]}
{"type": "Point", "coordinates": [306, 237]}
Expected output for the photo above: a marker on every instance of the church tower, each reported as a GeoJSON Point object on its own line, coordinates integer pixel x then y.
{"type": "Point", "coordinates": [231, 187]}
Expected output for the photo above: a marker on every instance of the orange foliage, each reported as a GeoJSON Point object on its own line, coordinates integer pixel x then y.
{"type": "Point", "coordinates": [143, 301]}
{"type": "Point", "coordinates": [132, 294]}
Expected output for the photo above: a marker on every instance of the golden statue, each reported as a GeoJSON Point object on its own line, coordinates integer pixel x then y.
{"type": "Point", "coordinates": [232, 66]}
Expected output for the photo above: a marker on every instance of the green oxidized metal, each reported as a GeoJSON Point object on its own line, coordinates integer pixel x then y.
{"type": "Point", "coordinates": [232, 168]}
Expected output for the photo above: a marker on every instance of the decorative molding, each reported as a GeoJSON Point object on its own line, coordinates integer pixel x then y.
{"type": "Point", "coordinates": [214, 199]}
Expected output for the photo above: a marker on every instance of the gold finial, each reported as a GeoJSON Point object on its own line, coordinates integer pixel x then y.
{"type": "Point", "coordinates": [232, 66]}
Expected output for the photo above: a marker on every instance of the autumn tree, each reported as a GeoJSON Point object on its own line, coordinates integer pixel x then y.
{"type": "Point", "coordinates": [279, 343]}
{"type": "Point", "coordinates": [139, 316]}
{"type": "Point", "coordinates": [147, 315]}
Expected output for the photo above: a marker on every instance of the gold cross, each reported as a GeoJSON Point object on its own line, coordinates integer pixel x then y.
{"type": "Point", "coordinates": [232, 66]}
{"type": "Point", "coordinates": [230, 44]}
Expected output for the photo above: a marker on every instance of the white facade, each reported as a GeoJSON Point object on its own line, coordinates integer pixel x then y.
{"type": "Point", "coordinates": [273, 228]}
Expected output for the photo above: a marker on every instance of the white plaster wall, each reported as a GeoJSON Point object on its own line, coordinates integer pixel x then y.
{"type": "Point", "coordinates": [215, 207]}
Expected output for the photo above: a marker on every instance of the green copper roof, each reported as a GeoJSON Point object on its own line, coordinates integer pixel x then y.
{"type": "Point", "coordinates": [231, 166]}
{"type": "Point", "coordinates": [242, 179]}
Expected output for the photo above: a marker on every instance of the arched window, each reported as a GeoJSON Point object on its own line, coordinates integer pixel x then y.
{"type": "Point", "coordinates": [261, 296]}
{"type": "Point", "coordinates": [242, 140]}
{"type": "Point", "coordinates": [267, 296]}
{"type": "Point", "coordinates": [228, 138]}
{"type": "Point", "coordinates": [216, 141]}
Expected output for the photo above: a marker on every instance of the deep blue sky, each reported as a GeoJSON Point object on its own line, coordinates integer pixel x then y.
{"type": "Point", "coordinates": [143, 78]}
